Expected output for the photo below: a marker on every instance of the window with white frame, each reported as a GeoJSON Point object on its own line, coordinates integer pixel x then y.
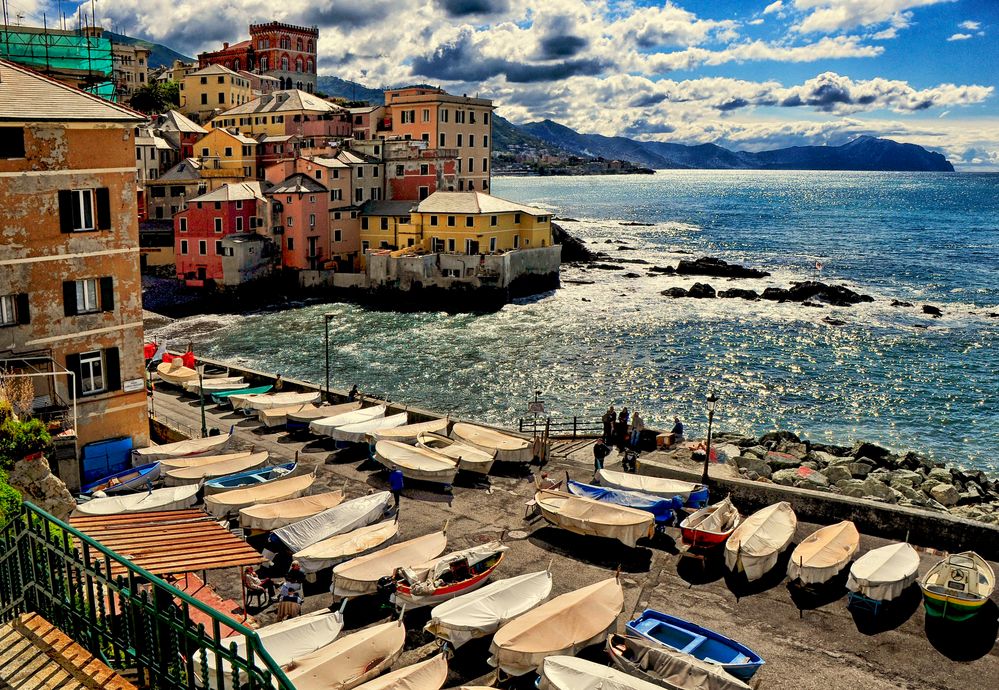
{"type": "Point", "coordinates": [218, 248]}
{"type": "Point", "coordinates": [239, 204]}
{"type": "Point", "coordinates": [338, 235]}
{"type": "Point", "coordinates": [312, 220]}
{"type": "Point", "coordinates": [203, 247]}
{"type": "Point", "coordinates": [218, 225]}
{"type": "Point", "coordinates": [492, 244]}
{"type": "Point", "coordinates": [83, 209]}
{"type": "Point", "coordinates": [8, 310]}
{"type": "Point", "coordinates": [92, 372]}
{"type": "Point", "coordinates": [86, 296]}
{"type": "Point", "coordinates": [183, 246]}
{"type": "Point", "coordinates": [239, 223]}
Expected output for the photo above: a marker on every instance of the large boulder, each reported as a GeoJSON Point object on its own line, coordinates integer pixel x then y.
{"type": "Point", "coordinates": [875, 489]}
{"type": "Point", "coordinates": [701, 291]}
{"type": "Point", "coordinates": [811, 479]}
{"type": "Point", "coordinates": [854, 488]}
{"type": "Point", "coordinates": [940, 474]}
{"type": "Point", "coordinates": [945, 494]}
{"type": "Point", "coordinates": [710, 266]}
{"type": "Point", "coordinates": [782, 461]}
{"type": "Point", "coordinates": [36, 483]}
{"type": "Point", "coordinates": [674, 292]}
{"type": "Point", "coordinates": [758, 451]}
{"type": "Point", "coordinates": [752, 463]}
{"type": "Point", "coordinates": [837, 474]}
{"type": "Point", "coordinates": [786, 477]}
{"type": "Point", "coordinates": [907, 477]}
{"type": "Point", "coordinates": [823, 458]}
{"type": "Point", "coordinates": [778, 437]}
{"type": "Point", "coordinates": [739, 293]}
{"type": "Point", "coordinates": [859, 469]}
{"type": "Point", "coordinates": [862, 449]}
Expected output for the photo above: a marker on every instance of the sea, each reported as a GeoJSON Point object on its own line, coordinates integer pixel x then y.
{"type": "Point", "coordinates": [888, 374]}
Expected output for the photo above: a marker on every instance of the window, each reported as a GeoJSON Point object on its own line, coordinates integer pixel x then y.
{"type": "Point", "coordinates": [424, 193]}
{"type": "Point", "coordinates": [91, 373]}
{"type": "Point", "coordinates": [424, 169]}
{"type": "Point", "coordinates": [312, 220]}
{"type": "Point", "coordinates": [204, 80]}
{"type": "Point", "coordinates": [218, 248]}
{"type": "Point", "coordinates": [485, 141]}
{"type": "Point", "coordinates": [221, 80]}
{"type": "Point", "coordinates": [81, 210]}
{"type": "Point", "coordinates": [360, 171]}
{"type": "Point", "coordinates": [383, 244]}
{"type": "Point", "coordinates": [469, 221]}
{"type": "Point", "coordinates": [443, 140]}
{"type": "Point", "coordinates": [493, 220]}
{"type": "Point", "coordinates": [312, 198]}
{"type": "Point", "coordinates": [338, 235]}
{"type": "Point", "coordinates": [471, 165]}
{"type": "Point", "coordinates": [450, 244]}
{"type": "Point", "coordinates": [174, 191]}
{"type": "Point", "coordinates": [364, 245]}
{"type": "Point", "coordinates": [291, 221]}
{"type": "Point", "coordinates": [204, 99]}
{"type": "Point", "coordinates": [433, 220]}
{"type": "Point", "coordinates": [291, 244]}
{"type": "Point", "coordinates": [516, 218]}
{"type": "Point", "coordinates": [471, 185]}
{"type": "Point", "coordinates": [492, 244]}
{"type": "Point", "coordinates": [336, 195]}
{"type": "Point", "coordinates": [203, 247]}
{"type": "Point", "coordinates": [459, 141]}
{"type": "Point", "coordinates": [183, 247]}
{"type": "Point", "coordinates": [183, 225]}
{"type": "Point", "coordinates": [14, 309]}
{"type": "Point", "coordinates": [239, 223]}
{"type": "Point", "coordinates": [364, 223]}
{"type": "Point", "coordinates": [485, 118]}
{"type": "Point", "coordinates": [384, 223]}
{"type": "Point", "coordinates": [516, 241]}
{"type": "Point", "coordinates": [239, 204]}
{"type": "Point", "coordinates": [218, 205]}
{"type": "Point", "coordinates": [450, 221]}
{"type": "Point", "coordinates": [204, 152]}
{"type": "Point", "coordinates": [459, 117]}
{"type": "Point", "coordinates": [228, 151]}
{"type": "Point", "coordinates": [11, 142]}
{"type": "Point", "coordinates": [444, 115]}
{"type": "Point", "coordinates": [88, 296]}
{"type": "Point", "coordinates": [358, 195]}
{"type": "Point", "coordinates": [485, 165]}
{"type": "Point", "coordinates": [374, 172]}
{"type": "Point", "coordinates": [471, 246]}
{"type": "Point", "coordinates": [218, 225]}
{"type": "Point", "coordinates": [471, 140]}
{"type": "Point", "coordinates": [426, 114]}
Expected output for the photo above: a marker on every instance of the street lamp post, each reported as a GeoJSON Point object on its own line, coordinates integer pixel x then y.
{"type": "Point", "coordinates": [201, 393]}
{"type": "Point", "coordinates": [712, 399]}
{"type": "Point", "coordinates": [327, 318]}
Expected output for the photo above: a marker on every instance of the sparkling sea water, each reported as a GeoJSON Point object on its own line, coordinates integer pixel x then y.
{"type": "Point", "coordinates": [888, 374]}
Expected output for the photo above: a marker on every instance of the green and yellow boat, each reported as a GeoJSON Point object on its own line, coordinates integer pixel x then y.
{"type": "Point", "coordinates": [957, 587]}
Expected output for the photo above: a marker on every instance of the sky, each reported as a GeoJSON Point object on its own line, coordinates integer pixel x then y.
{"type": "Point", "coordinates": [746, 74]}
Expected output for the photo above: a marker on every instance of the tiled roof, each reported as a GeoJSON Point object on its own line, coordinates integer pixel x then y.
{"type": "Point", "coordinates": [240, 191]}
{"type": "Point", "coordinates": [282, 101]}
{"type": "Point", "coordinates": [214, 69]}
{"type": "Point", "coordinates": [326, 162]}
{"type": "Point", "coordinates": [474, 202]}
{"type": "Point", "coordinates": [299, 183]}
{"type": "Point", "coordinates": [188, 170]}
{"type": "Point", "coordinates": [387, 208]}
{"type": "Point", "coordinates": [172, 121]}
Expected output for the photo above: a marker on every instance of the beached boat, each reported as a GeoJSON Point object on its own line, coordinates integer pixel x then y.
{"type": "Point", "coordinates": [360, 576]}
{"type": "Point", "coordinates": [201, 460]}
{"type": "Point", "coordinates": [349, 661]}
{"type": "Point", "coordinates": [254, 477]}
{"type": "Point", "coordinates": [882, 574]}
{"type": "Point", "coordinates": [665, 667]}
{"type": "Point", "coordinates": [710, 526]}
{"type": "Point", "coordinates": [505, 447]}
{"type": "Point", "coordinates": [701, 643]}
{"type": "Point", "coordinates": [130, 479]}
{"type": "Point", "coordinates": [408, 433]}
{"type": "Point", "coordinates": [415, 462]}
{"type": "Point", "coordinates": [225, 397]}
{"type": "Point", "coordinates": [470, 458]}
{"type": "Point", "coordinates": [269, 401]}
{"type": "Point", "coordinates": [175, 373]}
{"type": "Point", "coordinates": [278, 416]}
{"type": "Point", "coordinates": [824, 553]}
{"type": "Point", "coordinates": [300, 421]}
{"type": "Point", "coordinates": [270, 516]}
{"type": "Point", "coordinates": [957, 587]}
{"type": "Point", "coordinates": [180, 449]}
{"type": "Point", "coordinates": [360, 431]}
{"type": "Point", "coordinates": [346, 517]}
{"type": "Point", "coordinates": [662, 509]}
{"type": "Point", "coordinates": [226, 503]}
{"type": "Point", "coordinates": [559, 672]}
{"type": "Point", "coordinates": [225, 383]}
{"type": "Point", "coordinates": [447, 577]}
{"type": "Point", "coordinates": [337, 549]}
{"type": "Point", "coordinates": [694, 495]}
{"type": "Point", "coordinates": [754, 546]}
{"type": "Point", "coordinates": [326, 425]}
{"type": "Point", "coordinates": [426, 675]}
{"type": "Point", "coordinates": [200, 473]}
{"type": "Point", "coordinates": [595, 518]}
{"type": "Point", "coordinates": [170, 498]}
{"type": "Point", "coordinates": [482, 612]}
{"type": "Point", "coordinates": [564, 625]}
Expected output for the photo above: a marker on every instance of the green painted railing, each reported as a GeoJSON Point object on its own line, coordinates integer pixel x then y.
{"type": "Point", "coordinates": [123, 614]}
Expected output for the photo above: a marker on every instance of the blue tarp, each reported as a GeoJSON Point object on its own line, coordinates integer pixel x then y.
{"type": "Point", "coordinates": [104, 458]}
{"type": "Point", "coordinates": [662, 508]}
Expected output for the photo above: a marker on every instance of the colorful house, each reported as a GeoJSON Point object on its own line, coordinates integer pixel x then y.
{"type": "Point", "coordinates": [284, 51]}
{"type": "Point", "coordinates": [288, 112]}
{"type": "Point", "coordinates": [224, 154]}
{"type": "Point", "coordinates": [213, 90]}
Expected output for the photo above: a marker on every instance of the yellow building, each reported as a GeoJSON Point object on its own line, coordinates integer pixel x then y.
{"type": "Point", "coordinates": [224, 153]}
{"type": "Point", "coordinates": [287, 112]}
{"type": "Point", "coordinates": [386, 225]}
{"type": "Point", "coordinates": [212, 90]}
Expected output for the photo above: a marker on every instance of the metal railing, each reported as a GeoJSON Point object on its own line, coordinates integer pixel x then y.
{"type": "Point", "coordinates": [576, 427]}
{"type": "Point", "coordinates": [121, 613]}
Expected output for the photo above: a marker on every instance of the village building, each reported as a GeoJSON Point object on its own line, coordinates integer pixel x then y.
{"type": "Point", "coordinates": [284, 51]}
{"type": "Point", "coordinates": [180, 131]}
{"type": "Point", "coordinates": [289, 112]}
{"type": "Point", "coordinates": [131, 68]}
{"type": "Point", "coordinates": [212, 90]}
{"type": "Point", "coordinates": [228, 154]}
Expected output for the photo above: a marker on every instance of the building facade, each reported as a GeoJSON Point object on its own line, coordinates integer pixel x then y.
{"type": "Point", "coordinates": [213, 90]}
{"type": "Point", "coordinates": [284, 51]}
{"type": "Point", "coordinates": [131, 68]}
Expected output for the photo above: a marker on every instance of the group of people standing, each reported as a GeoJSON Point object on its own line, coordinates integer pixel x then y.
{"type": "Point", "coordinates": [622, 429]}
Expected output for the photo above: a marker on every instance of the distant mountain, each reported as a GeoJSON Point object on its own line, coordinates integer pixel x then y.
{"type": "Point", "coordinates": [159, 55]}
{"type": "Point", "coordinates": [349, 90]}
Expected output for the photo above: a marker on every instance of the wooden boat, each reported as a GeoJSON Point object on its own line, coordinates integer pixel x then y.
{"type": "Point", "coordinates": [710, 526]}
{"type": "Point", "coordinates": [506, 448]}
{"type": "Point", "coordinates": [197, 474]}
{"type": "Point", "coordinates": [224, 397]}
{"type": "Point", "coordinates": [561, 672]}
{"type": "Point", "coordinates": [824, 553]}
{"type": "Point", "coordinates": [882, 574]}
{"type": "Point", "coordinates": [360, 431]}
{"type": "Point", "coordinates": [360, 575]}
{"type": "Point", "coordinates": [170, 498]}
{"type": "Point", "coordinates": [701, 643]}
{"type": "Point", "coordinates": [225, 383]}
{"type": "Point", "coordinates": [957, 587]}
{"type": "Point", "coordinates": [270, 516]}
{"type": "Point", "coordinates": [416, 463]}
{"type": "Point", "coordinates": [349, 661]}
{"type": "Point", "coordinates": [346, 517]}
{"type": "Point", "coordinates": [482, 612]}
{"type": "Point", "coordinates": [426, 675]}
{"type": "Point", "coordinates": [470, 458]}
{"type": "Point", "coordinates": [326, 425]}
{"type": "Point", "coordinates": [595, 518]}
{"type": "Point", "coordinates": [278, 416]}
{"type": "Point", "coordinates": [754, 546]}
{"type": "Point", "coordinates": [694, 495]}
{"type": "Point", "coordinates": [563, 625]}
{"type": "Point", "coordinates": [299, 421]}
{"type": "Point", "coordinates": [447, 577]}
{"type": "Point", "coordinates": [130, 479]}
{"type": "Point", "coordinates": [269, 401]}
{"type": "Point", "coordinates": [228, 503]}
{"type": "Point", "coordinates": [175, 373]}
{"type": "Point", "coordinates": [201, 460]}
{"type": "Point", "coordinates": [253, 477]}
{"type": "Point", "coordinates": [662, 509]}
{"type": "Point", "coordinates": [408, 433]}
{"type": "Point", "coordinates": [665, 667]}
{"type": "Point", "coordinates": [337, 549]}
{"type": "Point", "coordinates": [180, 449]}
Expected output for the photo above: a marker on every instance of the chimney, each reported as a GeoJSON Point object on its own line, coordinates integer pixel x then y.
{"type": "Point", "coordinates": [225, 44]}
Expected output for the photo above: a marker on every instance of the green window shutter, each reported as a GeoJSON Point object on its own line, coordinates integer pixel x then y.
{"type": "Point", "coordinates": [112, 369]}
{"type": "Point", "coordinates": [107, 294]}
{"type": "Point", "coordinates": [69, 298]}
{"type": "Point", "coordinates": [103, 208]}
{"type": "Point", "coordinates": [23, 310]}
{"type": "Point", "coordinates": [65, 210]}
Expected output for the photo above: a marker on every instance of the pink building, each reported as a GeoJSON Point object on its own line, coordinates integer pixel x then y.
{"type": "Point", "coordinates": [300, 206]}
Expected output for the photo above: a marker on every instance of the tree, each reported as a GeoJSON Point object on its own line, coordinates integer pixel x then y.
{"type": "Point", "coordinates": [156, 97]}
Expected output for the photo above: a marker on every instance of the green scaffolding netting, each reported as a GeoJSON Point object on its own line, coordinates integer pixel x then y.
{"type": "Point", "coordinates": [47, 51]}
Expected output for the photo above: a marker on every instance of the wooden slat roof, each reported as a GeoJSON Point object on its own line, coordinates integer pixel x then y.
{"type": "Point", "coordinates": [168, 542]}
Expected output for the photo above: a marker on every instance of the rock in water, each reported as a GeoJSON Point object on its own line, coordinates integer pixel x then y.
{"type": "Point", "coordinates": [739, 293]}
{"type": "Point", "coordinates": [701, 291]}
{"type": "Point", "coordinates": [932, 311]}
{"type": "Point", "coordinates": [710, 266]}
{"type": "Point", "coordinates": [573, 249]}
{"type": "Point", "coordinates": [674, 292]}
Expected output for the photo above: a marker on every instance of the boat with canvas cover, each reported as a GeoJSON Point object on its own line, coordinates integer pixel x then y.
{"type": "Point", "coordinates": [349, 661]}
{"type": "Point", "coordinates": [447, 577]}
{"type": "Point", "coordinates": [219, 385]}
{"type": "Point", "coordinates": [299, 421]}
{"type": "Point", "coordinates": [169, 498]}
{"type": "Point", "coordinates": [594, 518]}
{"type": "Point", "coordinates": [426, 675]}
{"type": "Point", "coordinates": [824, 553]}
{"type": "Point", "coordinates": [754, 546]}
{"type": "Point", "coordinates": [957, 587]}
{"type": "Point", "coordinates": [415, 462]}
{"type": "Point", "coordinates": [270, 516]}
{"type": "Point", "coordinates": [710, 526]}
{"type": "Point", "coordinates": [882, 574]}
{"type": "Point", "coordinates": [667, 668]}
{"type": "Point", "coordinates": [228, 503]}
{"type": "Point", "coordinates": [175, 373]}
{"type": "Point", "coordinates": [269, 401]}
{"type": "Point", "coordinates": [360, 576]}
{"type": "Point", "coordinates": [360, 431]}
{"type": "Point", "coordinates": [200, 460]}
{"type": "Point", "coordinates": [340, 519]}
{"type": "Point", "coordinates": [408, 433]}
{"type": "Point", "coordinates": [129, 479]}
{"type": "Point", "coordinates": [559, 672]}
{"type": "Point", "coordinates": [254, 477]}
{"type": "Point", "coordinates": [224, 397]}
{"type": "Point", "coordinates": [200, 473]}
{"type": "Point", "coordinates": [505, 448]}
{"type": "Point", "coordinates": [694, 495]}
{"type": "Point", "coordinates": [563, 625]}
{"type": "Point", "coordinates": [326, 425]}
{"type": "Point", "coordinates": [278, 416]}
{"type": "Point", "coordinates": [180, 449]}
{"type": "Point", "coordinates": [701, 643]}
{"type": "Point", "coordinates": [482, 612]}
{"type": "Point", "coordinates": [470, 458]}
{"type": "Point", "coordinates": [337, 549]}
{"type": "Point", "coordinates": [284, 641]}
{"type": "Point", "coordinates": [662, 509]}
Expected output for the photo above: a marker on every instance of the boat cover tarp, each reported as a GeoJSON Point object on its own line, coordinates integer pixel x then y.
{"type": "Point", "coordinates": [329, 552]}
{"type": "Point", "coordinates": [271, 516]}
{"type": "Point", "coordinates": [471, 459]}
{"type": "Point", "coordinates": [662, 508]}
{"type": "Point", "coordinates": [408, 432]}
{"type": "Point", "coordinates": [359, 432]}
{"type": "Point", "coordinates": [222, 504]}
{"type": "Point", "coordinates": [322, 411]}
{"type": "Point", "coordinates": [360, 575]}
{"type": "Point", "coordinates": [757, 542]}
{"type": "Point", "coordinates": [883, 574]}
{"type": "Point", "coordinates": [669, 668]}
{"type": "Point", "coordinates": [142, 456]}
{"type": "Point", "coordinates": [569, 673]}
{"type": "Point", "coordinates": [267, 402]}
{"type": "Point", "coordinates": [657, 486]}
{"type": "Point", "coordinates": [199, 460]}
{"type": "Point", "coordinates": [482, 612]}
{"type": "Point", "coordinates": [430, 571]}
{"type": "Point", "coordinates": [169, 498]}
{"type": "Point", "coordinates": [340, 519]}
{"type": "Point", "coordinates": [564, 625]}
{"type": "Point", "coordinates": [596, 518]}
{"type": "Point", "coordinates": [718, 518]}
{"type": "Point", "coordinates": [824, 553]}
{"type": "Point", "coordinates": [222, 383]}
{"type": "Point", "coordinates": [350, 660]}
{"type": "Point", "coordinates": [507, 448]}
{"type": "Point", "coordinates": [326, 425]}
{"type": "Point", "coordinates": [193, 475]}
{"type": "Point", "coordinates": [278, 416]}
{"type": "Point", "coordinates": [175, 372]}
{"type": "Point", "coordinates": [415, 462]}
{"type": "Point", "coordinates": [426, 675]}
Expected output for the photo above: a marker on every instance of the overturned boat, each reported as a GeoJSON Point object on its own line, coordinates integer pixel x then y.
{"type": "Point", "coordinates": [342, 547]}
{"type": "Point", "coordinates": [425, 675]}
{"type": "Point", "coordinates": [504, 447]}
{"type": "Point", "coordinates": [169, 498]}
{"type": "Point", "coordinates": [194, 446]}
{"type": "Point", "coordinates": [349, 661]}
{"type": "Point", "coordinates": [662, 509]}
{"type": "Point", "coordinates": [302, 414]}
{"type": "Point", "coordinates": [199, 473]}
{"type": "Point", "coordinates": [415, 462]}
{"type": "Point", "coordinates": [754, 546]}
{"type": "Point", "coordinates": [408, 433]}
{"type": "Point", "coordinates": [595, 518]}
{"type": "Point", "coordinates": [346, 517]}
{"type": "Point", "coordinates": [469, 458]}
{"type": "Point", "coordinates": [882, 574]}
{"type": "Point", "coordinates": [270, 516]}
{"type": "Point", "coordinates": [824, 553]}
{"type": "Point", "coordinates": [228, 503]}
{"type": "Point", "coordinates": [360, 576]}
{"type": "Point", "coordinates": [360, 431]}
{"type": "Point", "coordinates": [326, 425]}
{"type": "Point", "coordinates": [561, 672]}
{"type": "Point", "coordinates": [694, 495]}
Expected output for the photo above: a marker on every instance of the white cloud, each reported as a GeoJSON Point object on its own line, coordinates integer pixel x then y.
{"type": "Point", "coordinates": [756, 22]}
{"type": "Point", "coordinates": [886, 34]}
{"type": "Point", "coordinates": [959, 37]}
{"type": "Point", "coordinates": [970, 25]}
{"type": "Point", "coordinates": [830, 16]}
{"type": "Point", "coordinates": [773, 7]}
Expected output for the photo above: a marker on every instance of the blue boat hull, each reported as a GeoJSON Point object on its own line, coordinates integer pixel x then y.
{"type": "Point", "coordinates": [664, 509]}
{"type": "Point", "coordinates": [702, 643]}
{"type": "Point", "coordinates": [242, 480]}
{"type": "Point", "coordinates": [131, 479]}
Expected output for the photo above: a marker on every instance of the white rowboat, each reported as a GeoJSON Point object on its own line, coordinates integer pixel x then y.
{"type": "Point", "coordinates": [198, 474]}
{"type": "Point", "coordinates": [416, 463]}
{"type": "Point", "coordinates": [470, 458]}
{"type": "Point", "coordinates": [326, 425]}
{"type": "Point", "coordinates": [824, 553]}
{"type": "Point", "coordinates": [754, 546]}
{"type": "Point", "coordinates": [349, 661]}
{"type": "Point", "coordinates": [359, 432]}
{"type": "Point", "coordinates": [170, 498]}
{"type": "Point", "coordinates": [507, 448]}
{"type": "Point", "coordinates": [360, 575]}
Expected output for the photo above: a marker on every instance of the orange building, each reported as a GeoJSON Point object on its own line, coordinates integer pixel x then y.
{"type": "Point", "coordinates": [284, 51]}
